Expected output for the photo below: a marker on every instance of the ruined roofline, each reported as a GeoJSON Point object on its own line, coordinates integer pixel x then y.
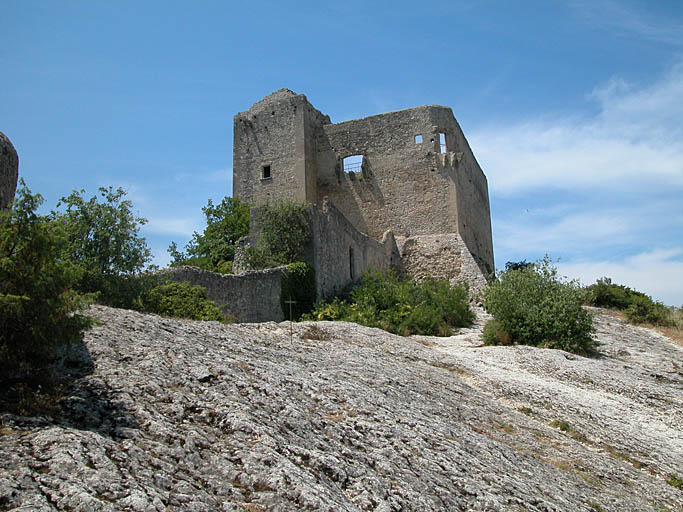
{"type": "Point", "coordinates": [277, 98]}
{"type": "Point", "coordinates": [394, 112]}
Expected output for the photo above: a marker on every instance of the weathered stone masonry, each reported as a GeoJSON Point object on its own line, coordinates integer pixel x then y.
{"type": "Point", "coordinates": [418, 202]}
{"type": "Point", "coordinates": [418, 177]}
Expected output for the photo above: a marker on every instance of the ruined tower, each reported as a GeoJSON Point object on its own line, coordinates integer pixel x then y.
{"type": "Point", "coordinates": [410, 172]}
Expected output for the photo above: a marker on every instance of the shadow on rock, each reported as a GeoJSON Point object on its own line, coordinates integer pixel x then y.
{"type": "Point", "coordinates": [65, 395]}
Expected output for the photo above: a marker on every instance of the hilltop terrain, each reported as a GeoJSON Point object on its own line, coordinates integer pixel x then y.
{"type": "Point", "coordinates": [173, 415]}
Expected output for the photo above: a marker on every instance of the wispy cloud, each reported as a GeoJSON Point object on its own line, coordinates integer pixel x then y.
{"type": "Point", "coordinates": [595, 189]}
{"type": "Point", "coordinates": [636, 137]}
{"type": "Point", "coordinates": [630, 19]}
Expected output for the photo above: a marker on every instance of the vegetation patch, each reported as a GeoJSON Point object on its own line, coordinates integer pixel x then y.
{"type": "Point", "coordinates": [180, 300]}
{"type": "Point", "coordinates": [214, 249]}
{"type": "Point", "coordinates": [401, 305]}
{"type": "Point", "coordinates": [297, 285]}
{"type": "Point", "coordinates": [531, 305]}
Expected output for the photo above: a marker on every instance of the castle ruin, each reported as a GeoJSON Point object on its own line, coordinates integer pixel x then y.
{"type": "Point", "coordinates": [400, 189]}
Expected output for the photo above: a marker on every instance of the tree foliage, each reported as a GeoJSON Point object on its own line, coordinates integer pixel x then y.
{"type": "Point", "coordinates": [298, 284]}
{"type": "Point", "coordinates": [38, 305]}
{"type": "Point", "coordinates": [214, 249]}
{"type": "Point", "coordinates": [531, 305]}
{"type": "Point", "coordinates": [102, 238]}
{"type": "Point", "coordinates": [284, 237]}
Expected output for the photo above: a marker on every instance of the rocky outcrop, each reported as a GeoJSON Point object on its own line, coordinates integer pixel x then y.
{"type": "Point", "coordinates": [200, 416]}
{"type": "Point", "coordinates": [9, 171]}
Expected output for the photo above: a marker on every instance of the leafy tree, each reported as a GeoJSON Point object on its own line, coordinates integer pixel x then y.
{"type": "Point", "coordinates": [533, 306]}
{"type": "Point", "coordinates": [214, 249]}
{"type": "Point", "coordinates": [38, 306]}
{"type": "Point", "coordinates": [284, 234]}
{"type": "Point", "coordinates": [103, 240]}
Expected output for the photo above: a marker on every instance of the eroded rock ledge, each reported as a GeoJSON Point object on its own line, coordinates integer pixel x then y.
{"type": "Point", "coordinates": [199, 416]}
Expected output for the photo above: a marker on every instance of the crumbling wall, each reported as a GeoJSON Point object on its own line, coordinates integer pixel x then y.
{"type": "Point", "coordinates": [401, 187]}
{"type": "Point", "coordinates": [9, 171]}
{"type": "Point", "coordinates": [442, 256]}
{"type": "Point", "coordinates": [253, 296]}
{"type": "Point", "coordinates": [342, 253]}
{"type": "Point", "coordinates": [279, 132]}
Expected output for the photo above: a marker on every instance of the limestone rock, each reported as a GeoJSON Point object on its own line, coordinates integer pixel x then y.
{"type": "Point", "coordinates": [198, 416]}
{"type": "Point", "coordinates": [9, 171]}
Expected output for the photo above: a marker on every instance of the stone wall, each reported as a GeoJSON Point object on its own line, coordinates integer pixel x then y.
{"type": "Point", "coordinates": [9, 171]}
{"type": "Point", "coordinates": [253, 296]}
{"type": "Point", "coordinates": [443, 256]}
{"type": "Point", "coordinates": [341, 253]}
{"type": "Point", "coordinates": [277, 132]}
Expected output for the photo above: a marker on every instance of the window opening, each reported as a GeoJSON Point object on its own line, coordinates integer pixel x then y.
{"type": "Point", "coordinates": [442, 142]}
{"type": "Point", "coordinates": [351, 262]}
{"type": "Point", "coordinates": [353, 163]}
{"type": "Point", "coordinates": [265, 173]}
{"type": "Point", "coordinates": [418, 139]}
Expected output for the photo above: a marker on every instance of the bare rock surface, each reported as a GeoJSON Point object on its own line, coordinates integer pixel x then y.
{"type": "Point", "coordinates": [169, 415]}
{"type": "Point", "coordinates": [9, 171]}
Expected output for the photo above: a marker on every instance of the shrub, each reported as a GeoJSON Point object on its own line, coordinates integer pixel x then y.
{"type": "Point", "coordinates": [180, 300]}
{"type": "Point", "coordinates": [643, 310]}
{"type": "Point", "coordinates": [298, 284]}
{"type": "Point", "coordinates": [605, 294]}
{"type": "Point", "coordinates": [533, 306]}
{"type": "Point", "coordinates": [38, 306]}
{"type": "Point", "coordinates": [226, 223]}
{"type": "Point", "coordinates": [638, 307]}
{"type": "Point", "coordinates": [401, 306]}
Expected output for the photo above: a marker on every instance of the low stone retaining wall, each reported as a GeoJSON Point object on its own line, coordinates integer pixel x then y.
{"type": "Point", "coordinates": [253, 296]}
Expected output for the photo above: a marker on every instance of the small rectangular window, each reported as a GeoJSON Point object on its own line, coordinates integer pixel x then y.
{"type": "Point", "coordinates": [265, 174]}
{"type": "Point", "coordinates": [353, 163]}
{"type": "Point", "coordinates": [418, 139]}
{"type": "Point", "coordinates": [442, 142]}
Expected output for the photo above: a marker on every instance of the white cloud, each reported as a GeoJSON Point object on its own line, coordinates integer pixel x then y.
{"type": "Point", "coordinates": [658, 273]}
{"type": "Point", "coordinates": [635, 138]}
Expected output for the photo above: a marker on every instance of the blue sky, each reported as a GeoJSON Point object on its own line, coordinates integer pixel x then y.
{"type": "Point", "coordinates": [573, 108]}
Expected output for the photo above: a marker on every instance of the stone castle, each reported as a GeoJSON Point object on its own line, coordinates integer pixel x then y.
{"type": "Point", "coordinates": [401, 189]}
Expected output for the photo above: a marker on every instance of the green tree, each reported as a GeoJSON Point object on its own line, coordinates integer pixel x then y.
{"type": "Point", "coordinates": [103, 240]}
{"type": "Point", "coordinates": [531, 305]}
{"type": "Point", "coordinates": [214, 249]}
{"type": "Point", "coordinates": [38, 305]}
{"type": "Point", "coordinates": [284, 234]}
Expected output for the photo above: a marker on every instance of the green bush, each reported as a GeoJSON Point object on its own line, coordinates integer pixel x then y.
{"type": "Point", "coordinates": [214, 249]}
{"type": "Point", "coordinates": [605, 294]}
{"type": "Point", "coordinates": [638, 307]}
{"type": "Point", "coordinates": [533, 306]}
{"type": "Point", "coordinates": [643, 310]}
{"type": "Point", "coordinates": [284, 235]}
{"type": "Point", "coordinates": [401, 306]}
{"type": "Point", "coordinates": [38, 305]}
{"type": "Point", "coordinates": [180, 300]}
{"type": "Point", "coordinates": [298, 284]}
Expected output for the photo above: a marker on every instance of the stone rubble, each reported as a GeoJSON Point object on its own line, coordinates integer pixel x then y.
{"type": "Point", "coordinates": [173, 415]}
